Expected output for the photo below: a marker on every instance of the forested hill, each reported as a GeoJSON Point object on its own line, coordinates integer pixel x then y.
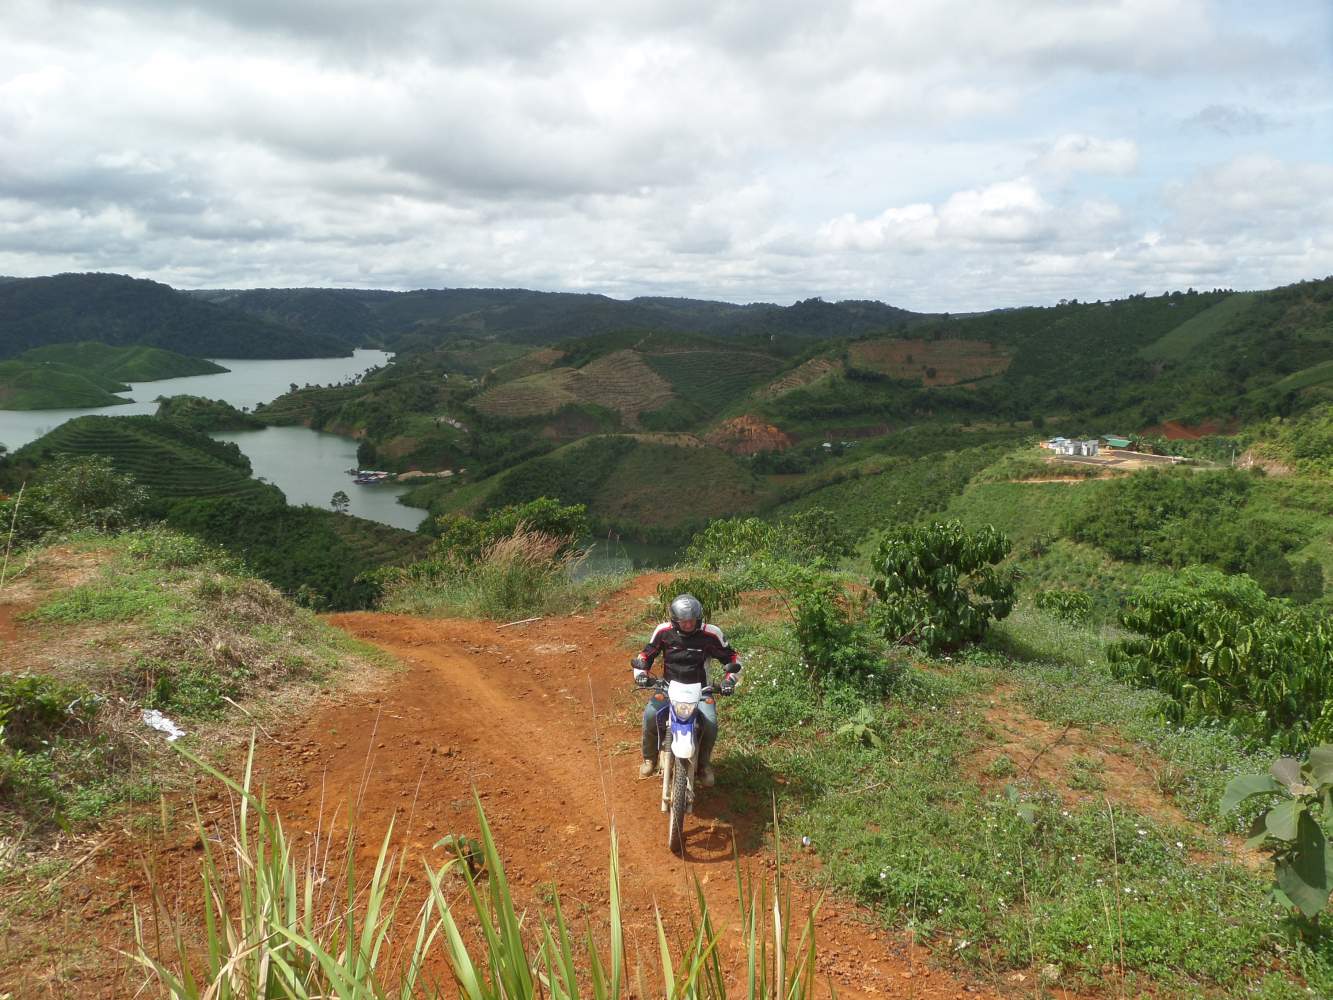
{"type": "Point", "coordinates": [400, 320]}
{"type": "Point", "coordinates": [119, 310]}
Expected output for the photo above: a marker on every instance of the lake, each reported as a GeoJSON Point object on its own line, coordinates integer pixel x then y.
{"type": "Point", "coordinates": [308, 466]}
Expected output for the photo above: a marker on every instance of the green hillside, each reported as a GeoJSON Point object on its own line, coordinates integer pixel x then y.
{"type": "Point", "coordinates": [123, 311]}
{"type": "Point", "coordinates": [1181, 342]}
{"type": "Point", "coordinates": [123, 364]}
{"type": "Point", "coordinates": [206, 415]}
{"type": "Point", "coordinates": [172, 462]}
{"type": "Point", "coordinates": [27, 386]}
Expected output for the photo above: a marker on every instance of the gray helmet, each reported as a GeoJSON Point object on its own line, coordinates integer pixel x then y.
{"type": "Point", "coordinates": [687, 606]}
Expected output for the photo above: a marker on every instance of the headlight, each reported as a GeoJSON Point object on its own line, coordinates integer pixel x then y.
{"type": "Point", "coordinates": [683, 710]}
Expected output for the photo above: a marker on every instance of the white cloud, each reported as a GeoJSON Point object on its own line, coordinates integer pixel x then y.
{"type": "Point", "coordinates": [1085, 154]}
{"type": "Point", "coordinates": [744, 149]}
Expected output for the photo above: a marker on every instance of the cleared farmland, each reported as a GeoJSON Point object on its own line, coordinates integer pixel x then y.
{"type": "Point", "coordinates": [804, 374]}
{"type": "Point", "coordinates": [932, 362]}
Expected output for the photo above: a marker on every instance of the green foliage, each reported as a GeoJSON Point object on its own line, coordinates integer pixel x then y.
{"type": "Point", "coordinates": [200, 414]}
{"type": "Point", "coordinates": [121, 364]}
{"type": "Point", "coordinates": [1291, 830]}
{"type": "Point", "coordinates": [74, 493]}
{"type": "Point", "coordinates": [1223, 652]}
{"type": "Point", "coordinates": [169, 461]}
{"type": "Point", "coordinates": [836, 640]}
{"type": "Point", "coordinates": [938, 584]}
{"type": "Point", "coordinates": [1070, 605]}
{"type": "Point", "coordinates": [716, 595]}
{"type": "Point", "coordinates": [324, 559]}
{"type": "Point", "coordinates": [1179, 517]}
{"type": "Point", "coordinates": [28, 385]}
{"type": "Point", "coordinates": [813, 537]}
{"type": "Point", "coordinates": [38, 717]}
{"type": "Point", "coordinates": [463, 539]}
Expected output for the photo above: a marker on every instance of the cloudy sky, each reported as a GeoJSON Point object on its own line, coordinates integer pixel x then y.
{"type": "Point", "coordinates": [935, 154]}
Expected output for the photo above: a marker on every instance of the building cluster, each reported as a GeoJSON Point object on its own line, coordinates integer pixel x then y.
{"type": "Point", "coordinates": [1071, 446]}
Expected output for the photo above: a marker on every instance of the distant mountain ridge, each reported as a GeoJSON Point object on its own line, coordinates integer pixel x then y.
{"type": "Point", "coordinates": [123, 311]}
{"type": "Point", "coordinates": [426, 317]}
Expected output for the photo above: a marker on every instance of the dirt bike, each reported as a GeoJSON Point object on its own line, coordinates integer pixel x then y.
{"type": "Point", "coordinates": [678, 757]}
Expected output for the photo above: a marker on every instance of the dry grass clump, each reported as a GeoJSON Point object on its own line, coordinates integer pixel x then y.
{"type": "Point", "coordinates": [527, 572]}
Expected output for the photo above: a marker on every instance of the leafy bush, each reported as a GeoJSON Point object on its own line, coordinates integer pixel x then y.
{"type": "Point", "coordinates": [74, 493]}
{"type": "Point", "coordinates": [939, 585]}
{"type": "Point", "coordinates": [1071, 605]}
{"type": "Point", "coordinates": [463, 539]}
{"type": "Point", "coordinates": [1223, 651]}
{"type": "Point", "coordinates": [714, 594]}
{"type": "Point", "coordinates": [836, 639]}
{"type": "Point", "coordinates": [1290, 830]}
{"type": "Point", "coordinates": [813, 537]}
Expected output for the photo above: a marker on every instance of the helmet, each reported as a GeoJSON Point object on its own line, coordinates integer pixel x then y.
{"type": "Point", "coordinates": [687, 607]}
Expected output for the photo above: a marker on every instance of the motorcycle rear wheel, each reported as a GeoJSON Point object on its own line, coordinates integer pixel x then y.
{"type": "Point", "coordinates": [679, 800]}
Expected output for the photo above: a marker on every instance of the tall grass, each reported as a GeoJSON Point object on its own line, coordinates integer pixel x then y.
{"type": "Point", "coordinates": [526, 573]}
{"type": "Point", "coordinates": [279, 923]}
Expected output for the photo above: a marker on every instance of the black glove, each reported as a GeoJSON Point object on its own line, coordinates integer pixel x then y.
{"type": "Point", "coordinates": [642, 678]}
{"type": "Point", "coordinates": [729, 684]}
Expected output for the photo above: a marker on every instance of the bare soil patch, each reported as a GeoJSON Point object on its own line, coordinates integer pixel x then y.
{"type": "Point", "coordinates": [747, 435]}
{"type": "Point", "coordinates": [933, 362]}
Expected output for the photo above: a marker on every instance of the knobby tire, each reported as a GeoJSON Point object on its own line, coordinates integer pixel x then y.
{"type": "Point", "coordinates": [680, 791]}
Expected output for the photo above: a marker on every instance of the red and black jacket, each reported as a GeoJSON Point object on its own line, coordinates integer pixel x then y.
{"type": "Point", "coordinates": [685, 655]}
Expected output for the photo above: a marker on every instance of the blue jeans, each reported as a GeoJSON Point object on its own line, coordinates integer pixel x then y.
{"type": "Point", "coordinates": [707, 713]}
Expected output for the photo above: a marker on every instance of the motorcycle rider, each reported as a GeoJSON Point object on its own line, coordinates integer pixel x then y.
{"type": "Point", "coordinates": [686, 643]}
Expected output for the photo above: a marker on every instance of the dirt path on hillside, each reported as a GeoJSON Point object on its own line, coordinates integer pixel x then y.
{"type": "Point", "coordinates": [540, 719]}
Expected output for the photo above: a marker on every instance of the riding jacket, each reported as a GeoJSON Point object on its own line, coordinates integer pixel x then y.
{"type": "Point", "coordinates": [685, 655]}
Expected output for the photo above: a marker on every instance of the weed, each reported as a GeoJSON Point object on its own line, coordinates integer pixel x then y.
{"type": "Point", "coordinates": [1002, 766]}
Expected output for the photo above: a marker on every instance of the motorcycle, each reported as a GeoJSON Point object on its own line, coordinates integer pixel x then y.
{"type": "Point", "coordinates": [677, 757]}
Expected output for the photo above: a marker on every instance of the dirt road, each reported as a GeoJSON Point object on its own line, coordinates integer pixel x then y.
{"type": "Point", "coordinates": [541, 720]}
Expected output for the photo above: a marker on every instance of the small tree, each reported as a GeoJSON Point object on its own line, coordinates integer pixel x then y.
{"type": "Point", "coordinates": [1290, 829]}
{"type": "Point", "coordinates": [939, 585]}
{"type": "Point", "coordinates": [340, 502]}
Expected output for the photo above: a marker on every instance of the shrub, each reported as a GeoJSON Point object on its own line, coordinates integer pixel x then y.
{"type": "Point", "coordinates": [464, 539]}
{"type": "Point", "coordinates": [836, 640]}
{"type": "Point", "coordinates": [74, 493]}
{"type": "Point", "coordinates": [1070, 605]}
{"type": "Point", "coordinates": [1223, 651]}
{"type": "Point", "coordinates": [938, 584]}
{"type": "Point", "coordinates": [714, 594]}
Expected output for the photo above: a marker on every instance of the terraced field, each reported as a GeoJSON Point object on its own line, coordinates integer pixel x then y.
{"type": "Point", "coordinates": [172, 462]}
{"type": "Point", "coordinates": [932, 362]}
{"type": "Point", "coordinates": [619, 381]}
{"type": "Point", "coordinates": [533, 363]}
{"type": "Point", "coordinates": [377, 544]}
{"type": "Point", "coordinates": [802, 375]}
{"type": "Point", "coordinates": [530, 396]}
{"type": "Point", "coordinates": [713, 378]}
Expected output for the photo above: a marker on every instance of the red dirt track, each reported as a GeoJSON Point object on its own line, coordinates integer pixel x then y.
{"type": "Point", "coordinates": [540, 719]}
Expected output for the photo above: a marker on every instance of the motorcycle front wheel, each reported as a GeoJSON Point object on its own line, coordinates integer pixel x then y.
{"type": "Point", "coordinates": [680, 775]}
